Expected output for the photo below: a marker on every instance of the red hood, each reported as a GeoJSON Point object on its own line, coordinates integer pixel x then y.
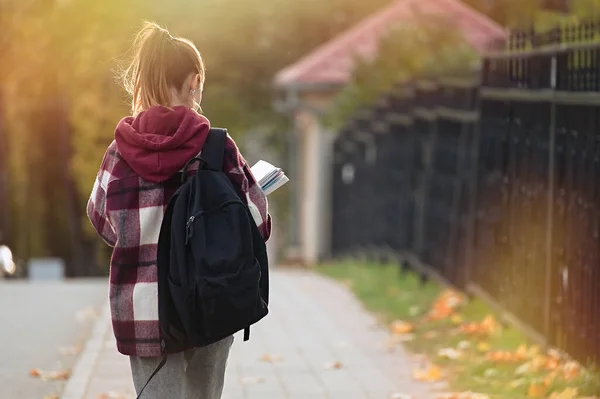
{"type": "Point", "coordinates": [158, 142]}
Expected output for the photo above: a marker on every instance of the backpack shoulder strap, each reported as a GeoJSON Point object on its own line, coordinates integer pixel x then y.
{"type": "Point", "coordinates": [214, 149]}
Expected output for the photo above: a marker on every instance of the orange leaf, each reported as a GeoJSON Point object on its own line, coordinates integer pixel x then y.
{"type": "Point", "coordinates": [445, 305]}
{"type": "Point", "coordinates": [568, 393]}
{"type": "Point", "coordinates": [549, 378]}
{"type": "Point", "coordinates": [400, 327]}
{"type": "Point", "coordinates": [50, 375]}
{"type": "Point", "coordinates": [431, 374]}
{"type": "Point", "coordinates": [570, 370]}
{"type": "Point", "coordinates": [483, 347]}
{"type": "Point", "coordinates": [333, 365]}
{"type": "Point", "coordinates": [536, 390]}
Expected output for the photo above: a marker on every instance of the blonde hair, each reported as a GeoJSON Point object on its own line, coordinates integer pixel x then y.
{"type": "Point", "coordinates": [160, 61]}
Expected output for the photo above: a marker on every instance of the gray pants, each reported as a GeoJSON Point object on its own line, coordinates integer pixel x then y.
{"type": "Point", "coordinates": [194, 374]}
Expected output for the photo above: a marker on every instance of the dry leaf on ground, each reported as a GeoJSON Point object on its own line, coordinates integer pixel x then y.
{"type": "Point", "coordinates": [504, 357]}
{"type": "Point", "coordinates": [568, 393]}
{"type": "Point", "coordinates": [537, 390]}
{"type": "Point", "coordinates": [490, 373]}
{"type": "Point", "coordinates": [445, 305]}
{"type": "Point", "coordinates": [449, 353]}
{"type": "Point", "coordinates": [464, 345]}
{"type": "Point", "coordinates": [483, 347]}
{"type": "Point", "coordinates": [333, 365]}
{"type": "Point", "coordinates": [462, 395]}
{"type": "Point", "coordinates": [488, 326]}
{"type": "Point", "coordinates": [570, 370]}
{"type": "Point", "coordinates": [53, 396]}
{"type": "Point", "coordinates": [430, 374]}
{"type": "Point", "coordinates": [400, 327]}
{"type": "Point", "coordinates": [252, 380]}
{"type": "Point", "coordinates": [523, 369]}
{"type": "Point", "coordinates": [271, 358]}
{"type": "Point", "coordinates": [114, 395]}
{"type": "Point", "coordinates": [517, 383]}
{"type": "Point", "coordinates": [60, 375]}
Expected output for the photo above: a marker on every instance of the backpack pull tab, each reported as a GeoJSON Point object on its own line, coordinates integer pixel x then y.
{"type": "Point", "coordinates": [189, 229]}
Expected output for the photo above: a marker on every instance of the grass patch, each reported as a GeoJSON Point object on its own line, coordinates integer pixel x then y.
{"type": "Point", "coordinates": [393, 295]}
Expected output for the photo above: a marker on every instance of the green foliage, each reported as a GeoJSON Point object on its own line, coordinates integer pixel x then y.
{"type": "Point", "coordinates": [427, 46]}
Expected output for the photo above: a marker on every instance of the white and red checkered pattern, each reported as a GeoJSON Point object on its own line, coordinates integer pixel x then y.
{"type": "Point", "coordinates": [127, 212]}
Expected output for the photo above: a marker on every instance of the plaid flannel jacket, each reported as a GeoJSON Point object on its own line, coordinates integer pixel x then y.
{"type": "Point", "coordinates": [127, 212]}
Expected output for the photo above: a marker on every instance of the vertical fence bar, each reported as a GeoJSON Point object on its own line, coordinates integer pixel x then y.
{"type": "Point", "coordinates": [550, 211]}
{"type": "Point", "coordinates": [4, 203]}
{"type": "Point", "coordinates": [473, 156]}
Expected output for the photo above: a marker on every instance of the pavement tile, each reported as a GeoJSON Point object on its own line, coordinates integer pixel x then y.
{"type": "Point", "coordinates": [313, 321]}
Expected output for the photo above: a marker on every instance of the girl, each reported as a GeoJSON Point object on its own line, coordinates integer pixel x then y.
{"type": "Point", "coordinates": [165, 80]}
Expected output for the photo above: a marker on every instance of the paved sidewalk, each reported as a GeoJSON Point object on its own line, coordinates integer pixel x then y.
{"type": "Point", "coordinates": [314, 323]}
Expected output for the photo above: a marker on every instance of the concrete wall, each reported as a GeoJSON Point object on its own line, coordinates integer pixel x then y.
{"type": "Point", "coordinates": [313, 187]}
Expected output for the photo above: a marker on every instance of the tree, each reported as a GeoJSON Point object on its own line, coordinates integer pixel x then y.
{"type": "Point", "coordinates": [429, 45]}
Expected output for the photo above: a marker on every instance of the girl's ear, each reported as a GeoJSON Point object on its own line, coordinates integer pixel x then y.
{"type": "Point", "coordinates": [196, 82]}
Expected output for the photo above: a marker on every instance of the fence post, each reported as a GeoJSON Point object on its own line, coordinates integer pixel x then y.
{"type": "Point", "coordinates": [550, 206]}
{"type": "Point", "coordinates": [473, 169]}
{"type": "Point", "coordinates": [4, 196]}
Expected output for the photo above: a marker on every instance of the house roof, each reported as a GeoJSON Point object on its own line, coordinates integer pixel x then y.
{"type": "Point", "coordinates": [333, 62]}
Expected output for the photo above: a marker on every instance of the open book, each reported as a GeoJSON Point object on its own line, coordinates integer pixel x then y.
{"type": "Point", "coordinates": [269, 177]}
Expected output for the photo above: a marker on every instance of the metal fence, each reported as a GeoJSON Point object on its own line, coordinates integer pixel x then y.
{"type": "Point", "coordinates": [491, 181]}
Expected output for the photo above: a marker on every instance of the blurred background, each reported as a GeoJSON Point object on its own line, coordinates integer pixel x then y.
{"type": "Point", "coordinates": [456, 139]}
{"type": "Point", "coordinates": [60, 103]}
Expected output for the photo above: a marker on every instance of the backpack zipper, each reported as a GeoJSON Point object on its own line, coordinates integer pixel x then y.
{"type": "Point", "coordinates": [189, 226]}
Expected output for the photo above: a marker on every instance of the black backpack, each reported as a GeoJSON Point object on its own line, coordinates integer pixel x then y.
{"type": "Point", "coordinates": [212, 260]}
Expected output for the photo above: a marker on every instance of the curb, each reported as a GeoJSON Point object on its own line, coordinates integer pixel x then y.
{"type": "Point", "coordinates": [81, 374]}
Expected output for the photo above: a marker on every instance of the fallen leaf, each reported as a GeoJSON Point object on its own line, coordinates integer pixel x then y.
{"type": "Point", "coordinates": [445, 305]}
{"type": "Point", "coordinates": [333, 365]}
{"type": "Point", "coordinates": [43, 375]}
{"type": "Point", "coordinates": [252, 380]}
{"type": "Point", "coordinates": [431, 374]}
{"type": "Point", "coordinates": [462, 395]}
{"type": "Point", "coordinates": [271, 358]}
{"type": "Point", "coordinates": [570, 370]}
{"type": "Point", "coordinates": [517, 383]}
{"type": "Point", "coordinates": [464, 345]}
{"type": "Point", "coordinates": [400, 327]}
{"type": "Point", "coordinates": [504, 357]}
{"type": "Point", "coordinates": [525, 368]}
{"type": "Point", "coordinates": [114, 395]}
{"type": "Point", "coordinates": [533, 351]}
{"type": "Point", "coordinates": [449, 353]}
{"type": "Point", "coordinates": [483, 347]}
{"type": "Point", "coordinates": [52, 396]}
{"type": "Point", "coordinates": [568, 393]}
{"type": "Point", "coordinates": [488, 326]}
{"type": "Point", "coordinates": [489, 373]}
{"type": "Point", "coordinates": [549, 378]}
{"type": "Point", "coordinates": [536, 390]}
